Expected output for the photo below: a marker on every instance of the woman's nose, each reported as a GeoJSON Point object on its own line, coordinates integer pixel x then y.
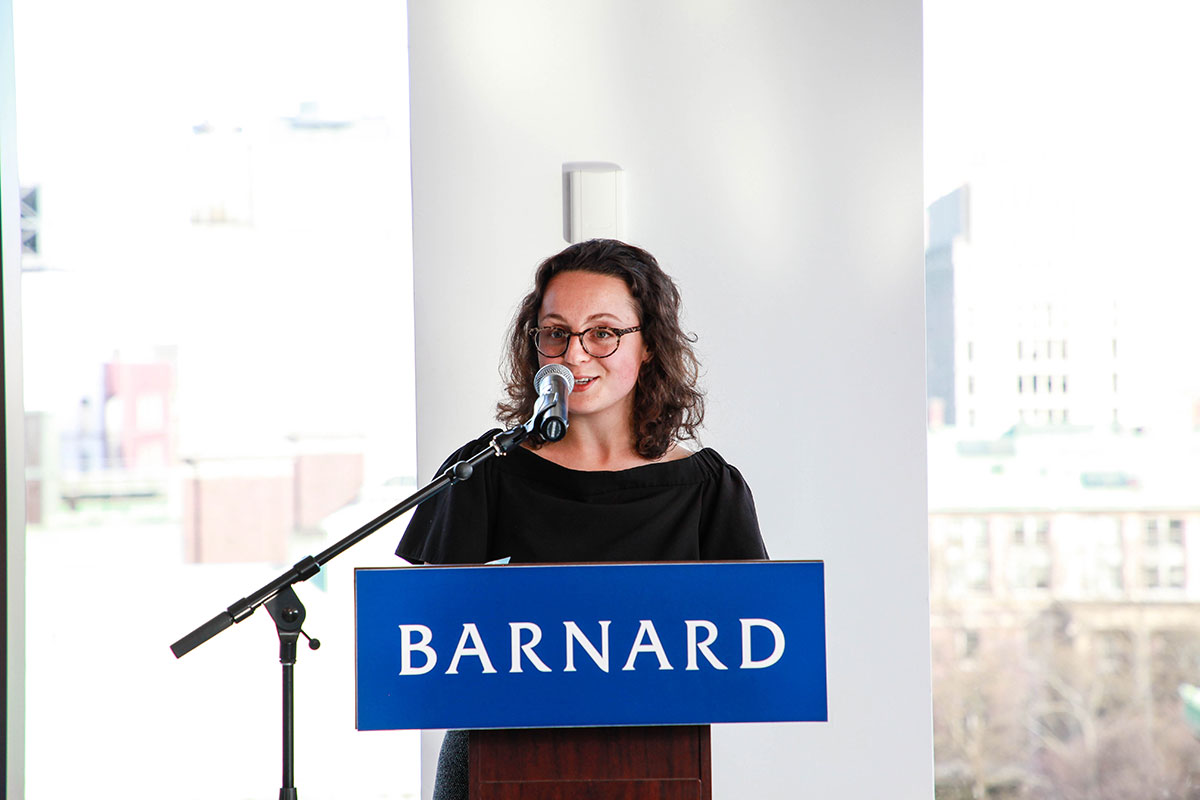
{"type": "Point", "coordinates": [575, 353]}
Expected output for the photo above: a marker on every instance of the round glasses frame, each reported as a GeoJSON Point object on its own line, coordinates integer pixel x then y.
{"type": "Point", "coordinates": [535, 334]}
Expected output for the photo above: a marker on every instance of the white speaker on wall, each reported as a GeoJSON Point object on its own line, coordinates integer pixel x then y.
{"type": "Point", "coordinates": [593, 201]}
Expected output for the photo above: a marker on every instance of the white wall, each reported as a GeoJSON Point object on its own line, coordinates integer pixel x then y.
{"type": "Point", "coordinates": [772, 151]}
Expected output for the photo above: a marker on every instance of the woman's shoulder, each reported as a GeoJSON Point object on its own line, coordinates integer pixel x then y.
{"type": "Point", "coordinates": [712, 464]}
{"type": "Point", "coordinates": [705, 466]}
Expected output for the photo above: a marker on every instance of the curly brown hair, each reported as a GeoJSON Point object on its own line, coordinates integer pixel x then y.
{"type": "Point", "coordinates": [667, 404]}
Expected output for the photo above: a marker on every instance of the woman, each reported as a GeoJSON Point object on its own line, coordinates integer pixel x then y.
{"type": "Point", "coordinates": [619, 486]}
{"type": "Point", "coordinates": [620, 481]}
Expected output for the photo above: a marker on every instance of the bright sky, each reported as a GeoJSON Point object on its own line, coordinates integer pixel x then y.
{"type": "Point", "coordinates": [1073, 90]}
{"type": "Point", "coordinates": [1077, 124]}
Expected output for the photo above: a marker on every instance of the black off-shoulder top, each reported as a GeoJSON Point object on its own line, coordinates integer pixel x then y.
{"type": "Point", "coordinates": [522, 507]}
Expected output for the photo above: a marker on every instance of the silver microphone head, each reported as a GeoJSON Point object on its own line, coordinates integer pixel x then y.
{"type": "Point", "coordinates": [552, 369]}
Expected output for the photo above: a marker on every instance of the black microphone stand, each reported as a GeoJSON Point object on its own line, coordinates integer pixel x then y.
{"type": "Point", "coordinates": [288, 612]}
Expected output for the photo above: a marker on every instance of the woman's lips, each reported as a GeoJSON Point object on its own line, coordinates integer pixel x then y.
{"type": "Point", "coordinates": [582, 384]}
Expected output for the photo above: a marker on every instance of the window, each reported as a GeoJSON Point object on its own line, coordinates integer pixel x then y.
{"type": "Point", "coordinates": [1041, 533]}
{"type": "Point", "coordinates": [219, 286]}
{"type": "Point", "coordinates": [1150, 577]}
{"type": "Point", "coordinates": [1164, 557]}
{"type": "Point", "coordinates": [968, 645]}
{"type": "Point", "coordinates": [968, 556]}
{"type": "Point", "coordinates": [1117, 577]}
{"type": "Point", "coordinates": [1041, 576]}
{"type": "Point", "coordinates": [1029, 558]}
{"type": "Point", "coordinates": [1176, 576]}
{"type": "Point", "coordinates": [1150, 537]}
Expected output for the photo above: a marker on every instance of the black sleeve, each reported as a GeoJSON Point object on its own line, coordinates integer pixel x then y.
{"type": "Point", "coordinates": [728, 521]}
{"type": "Point", "coordinates": [453, 527]}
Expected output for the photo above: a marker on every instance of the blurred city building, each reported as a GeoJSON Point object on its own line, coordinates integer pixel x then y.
{"type": "Point", "coordinates": [1064, 580]}
{"type": "Point", "coordinates": [1022, 336]}
{"type": "Point", "coordinates": [118, 445]}
{"type": "Point", "coordinates": [246, 508]}
{"type": "Point", "coordinates": [1064, 518]}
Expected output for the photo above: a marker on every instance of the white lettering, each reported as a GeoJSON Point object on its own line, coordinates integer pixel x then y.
{"type": "Point", "coordinates": [527, 648]}
{"type": "Point", "coordinates": [693, 645]}
{"type": "Point", "coordinates": [701, 636]}
{"type": "Point", "coordinates": [407, 646]}
{"type": "Point", "coordinates": [476, 649]}
{"type": "Point", "coordinates": [574, 634]}
{"type": "Point", "coordinates": [747, 661]}
{"type": "Point", "coordinates": [646, 630]}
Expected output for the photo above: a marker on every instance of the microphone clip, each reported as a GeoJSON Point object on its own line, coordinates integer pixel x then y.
{"type": "Point", "coordinates": [507, 440]}
{"type": "Point", "coordinates": [548, 428]}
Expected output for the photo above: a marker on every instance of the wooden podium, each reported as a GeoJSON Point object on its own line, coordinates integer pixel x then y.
{"type": "Point", "coordinates": [631, 657]}
{"type": "Point", "coordinates": [642, 763]}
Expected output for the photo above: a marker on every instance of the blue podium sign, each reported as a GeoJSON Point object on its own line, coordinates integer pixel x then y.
{"type": "Point", "coordinates": [586, 645]}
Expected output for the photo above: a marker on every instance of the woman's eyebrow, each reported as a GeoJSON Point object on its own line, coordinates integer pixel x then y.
{"type": "Point", "coordinates": [601, 315]}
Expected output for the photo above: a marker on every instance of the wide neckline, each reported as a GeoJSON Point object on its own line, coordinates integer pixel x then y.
{"type": "Point", "coordinates": [532, 458]}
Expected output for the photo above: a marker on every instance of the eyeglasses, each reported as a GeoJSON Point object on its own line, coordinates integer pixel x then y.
{"type": "Point", "coordinates": [598, 342]}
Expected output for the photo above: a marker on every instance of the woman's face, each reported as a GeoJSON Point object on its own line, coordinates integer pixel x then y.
{"type": "Point", "coordinates": [604, 387]}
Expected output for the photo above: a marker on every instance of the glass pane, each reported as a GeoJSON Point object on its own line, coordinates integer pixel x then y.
{"type": "Point", "coordinates": [218, 336]}
{"type": "Point", "coordinates": [1059, 209]}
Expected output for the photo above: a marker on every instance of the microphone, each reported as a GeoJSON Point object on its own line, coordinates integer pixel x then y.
{"type": "Point", "coordinates": [553, 383]}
